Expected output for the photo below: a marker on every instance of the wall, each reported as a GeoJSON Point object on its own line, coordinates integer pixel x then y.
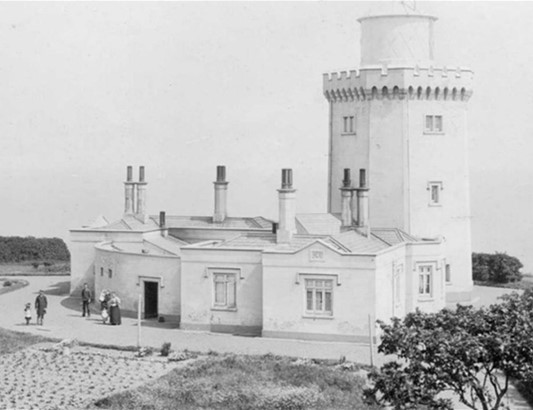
{"type": "Point", "coordinates": [284, 295]}
{"type": "Point", "coordinates": [198, 265]}
{"type": "Point", "coordinates": [128, 271]}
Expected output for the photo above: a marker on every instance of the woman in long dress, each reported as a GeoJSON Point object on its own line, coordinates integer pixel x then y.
{"type": "Point", "coordinates": [114, 309]}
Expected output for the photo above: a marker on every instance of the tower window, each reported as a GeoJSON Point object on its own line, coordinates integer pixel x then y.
{"type": "Point", "coordinates": [433, 124]}
{"type": "Point", "coordinates": [110, 273]}
{"type": "Point", "coordinates": [435, 195]}
{"type": "Point", "coordinates": [448, 273]}
{"type": "Point", "coordinates": [101, 271]}
{"type": "Point", "coordinates": [349, 124]}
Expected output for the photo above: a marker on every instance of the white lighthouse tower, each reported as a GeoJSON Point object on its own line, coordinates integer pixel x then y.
{"type": "Point", "coordinates": [404, 119]}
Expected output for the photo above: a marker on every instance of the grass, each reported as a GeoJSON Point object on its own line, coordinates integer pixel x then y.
{"type": "Point", "coordinates": [14, 284]}
{"type": "Point", "coordinates": [525, 283]}
{"type": "Point", "coordinates": [246, 382]}
{"type": "Point", "coordinates": [26, 269]}
{"type": "Point", "coordinates": [11, 342]}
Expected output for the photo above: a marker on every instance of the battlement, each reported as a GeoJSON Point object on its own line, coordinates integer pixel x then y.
{"type": "Point", "coordinates": [378, 82]}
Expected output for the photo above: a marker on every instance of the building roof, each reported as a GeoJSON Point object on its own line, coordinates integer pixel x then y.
{"type": "Point", "coordinates": [392, 236]}
{"type": "Point", "coordinates": [257, 222]}
{"type": "Point", "coordinates": [319, 224]}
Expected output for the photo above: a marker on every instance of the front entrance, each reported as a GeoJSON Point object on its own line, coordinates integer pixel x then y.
{"type": "Point", "coordinates": [151, 299]}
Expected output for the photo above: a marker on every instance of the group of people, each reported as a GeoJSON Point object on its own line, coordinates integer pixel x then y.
{"type": "Point", "coordinates": [109, 305]}
{"type": "Point", "coordinates": [41, 303]}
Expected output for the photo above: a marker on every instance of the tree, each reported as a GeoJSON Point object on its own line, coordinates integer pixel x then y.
{"type": "Point", "coordinates": [497, 267]}
{"type": "Point", "coordinates": [471, 352]}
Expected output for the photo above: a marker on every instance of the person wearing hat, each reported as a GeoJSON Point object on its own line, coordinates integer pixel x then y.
{"type": "Point", "coordinates": [41, 303]}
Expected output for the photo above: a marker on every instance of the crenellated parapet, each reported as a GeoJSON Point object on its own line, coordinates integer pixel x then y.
{"type": "Point", "coordinates": [414, 83]}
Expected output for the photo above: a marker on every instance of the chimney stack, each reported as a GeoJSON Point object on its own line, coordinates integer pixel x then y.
{"type": "Point", "coordinates": [129, 192]}
{"type": "Point", "coordinates": [362, 202]}
{"type": "Point", "coordinates": [141, 197]}
{"type": "Point", "coordinates": [221, 190]}
{"type": "Point", "coordinates": [163, 223]}
{"type": "Point", "coordinates": [346, 199]}
{"type": "Point", "coordinates": [287, 208]}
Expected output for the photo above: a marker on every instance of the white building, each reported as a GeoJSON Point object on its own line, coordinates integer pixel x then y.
{"type": "Point", "coordinates": [379, 251]}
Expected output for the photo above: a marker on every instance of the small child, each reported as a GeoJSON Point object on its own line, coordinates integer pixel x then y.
{"type": "Point", "coordinates": [105, 315]}
{"type": "Point", "coordinates": [27, 313]}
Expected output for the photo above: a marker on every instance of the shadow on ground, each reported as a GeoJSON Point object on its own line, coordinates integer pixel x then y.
{"type": "Point", "coordinates": [58, 289]}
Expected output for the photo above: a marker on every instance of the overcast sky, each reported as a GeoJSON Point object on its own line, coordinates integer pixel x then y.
{"type": "Point", "coordinates": [89, 88]}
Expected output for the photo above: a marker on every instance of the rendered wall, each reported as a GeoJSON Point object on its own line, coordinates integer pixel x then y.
{"type": "Point", "coordinates": [81, 249]}
{"type": "Point", "coordinates": [284, 296]}
{"type": "Point", "coordinates": [198, 312]}
{"type": "Point", "coordinates": [128, 272]}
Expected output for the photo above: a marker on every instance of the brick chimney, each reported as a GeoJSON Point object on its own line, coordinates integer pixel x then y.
{"type": "Point", "coordinates": [129, 192]}
{"type": "Point", "coordinates": [140, 211]}
{"type": "Point", "coordinates": [362, 202]}
{"type": "Point", "coordinates": [221, 190]}
{"type": "Point", "coordinates": [346, 199]}
{"type": "Point", "coordinates": [287, 208]}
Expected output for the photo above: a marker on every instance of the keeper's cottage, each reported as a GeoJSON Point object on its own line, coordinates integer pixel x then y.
{"type": "Point", "coordinates": [396, 235]}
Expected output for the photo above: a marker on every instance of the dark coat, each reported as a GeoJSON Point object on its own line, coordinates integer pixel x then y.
{"type": "Point", "coordinates": [86, 295]}
{"type": "Point", "coordinates": [41, 303]}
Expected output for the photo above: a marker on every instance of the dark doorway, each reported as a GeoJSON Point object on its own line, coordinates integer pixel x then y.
{"type": "Point", "coordinates": [150, 299]}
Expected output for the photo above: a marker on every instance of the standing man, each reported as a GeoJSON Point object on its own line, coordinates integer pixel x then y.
{"type": "Point", "coordinates": [86, 298]}
{"type": "Point", "coordinates": [41, 303]}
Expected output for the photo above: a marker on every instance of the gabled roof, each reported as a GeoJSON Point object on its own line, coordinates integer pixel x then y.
{"type": "Point", "coordinates": [392, 236]}
{"type": "Point", "coordinates": [358, 243]}
{"type": "Point", "coordinates": [318, 224]}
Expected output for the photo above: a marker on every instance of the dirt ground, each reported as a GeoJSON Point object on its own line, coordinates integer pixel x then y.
{"type": "Point", "coordinates": [45, 378]}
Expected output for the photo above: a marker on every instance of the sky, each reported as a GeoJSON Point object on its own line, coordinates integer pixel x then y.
{"type": "Point", "coordinates": [89, 88]}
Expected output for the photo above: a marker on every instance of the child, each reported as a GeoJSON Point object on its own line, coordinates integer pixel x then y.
{"type": "Point", "coordinates": [105, 315]}
{"type": "Point", "coordinates": [27, 313]}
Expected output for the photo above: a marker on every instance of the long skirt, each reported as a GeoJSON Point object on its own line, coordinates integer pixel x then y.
{"type": "Point", "coordinates": [114, 315]}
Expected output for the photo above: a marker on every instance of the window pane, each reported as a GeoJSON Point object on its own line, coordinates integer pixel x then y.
{"type": "Point", "coordinates": [351, 124]}
{"type": "Point", "coordinates": [345, 124]}
{"type": "Point", "coordinates": [319, 301]}
{"type": "Point", "coordinates": [435, 194]}
{"type": "Point", "coordinates": [231, 293]}
{"type": "Point", "coordinates": [438, 123]}
{"type": "Point", "coordinates": [220, 293]}
{"type": "Point", "coordinates": [429, 122]}
{"type": "Point", "coordinates": [448, 274]}
{"type": "Point", "coordinates": [309, 300]}
{"type": "Point", "coordinates": [328, 302]}
{"type": "Point", "coordinates": [421, 284]}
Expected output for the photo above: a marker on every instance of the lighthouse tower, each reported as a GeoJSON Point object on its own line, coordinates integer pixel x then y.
{"type": "Point", "coordinates": [404, 119]}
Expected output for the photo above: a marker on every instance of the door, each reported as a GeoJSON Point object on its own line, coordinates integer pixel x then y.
{"type": "Point", "coordinates": [151, 297]}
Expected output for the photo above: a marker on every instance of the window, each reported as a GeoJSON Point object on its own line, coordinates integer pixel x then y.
{"type": "Point", "coordinates": [433, 124]}
{"type": "Point", "coordinates": [224, 290]}
{"type": "Point", "coordinates": [349, 124]}
{"type": "Point", "coordinates": [425, 279]}
{"type": "Point", "coordinates": [110, 273]}
{"type": "Point", "coordinates": [397, 278]}
{"type": "Point", "coordinates": [319, 297]}
{"type": "Point", "coordinates": [101, 271]}
{"type": "Point", "coordinates": [448, 273]}
{"type": "Point", "coordinates": [435, 197]}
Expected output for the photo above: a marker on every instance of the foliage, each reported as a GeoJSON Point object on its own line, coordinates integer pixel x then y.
{"type": "Point", "coordinates": [35, 265]}
{"type": "Point", "coordinates": [247, 382]}
{"type": "Point", "coordinates": [165, 349]}
{"type": "Point", "coordinates": [7, 283]}
{"type": "Point", "coordinates": [497, 267]}
{"type": "Point", "coordinates": [18, 249]}
{"type": "Point", "coordinates": [472, 352]}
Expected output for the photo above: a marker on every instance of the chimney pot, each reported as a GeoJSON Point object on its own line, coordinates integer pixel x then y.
{"type": "Point", "coordinates": [221, 173]}
{"type": "Point", "coordinates": [129, 173]}
{"type": "Point", "coordinates": [346, 182]}
{"type": "Point", "coordinates": [162, 219]}
{"type": "Point", "coordinates": [141, 173]}
{"type": "Point", "coordinates": [286, 178]}
{"type": "Point", "coordinates": [362, 178]}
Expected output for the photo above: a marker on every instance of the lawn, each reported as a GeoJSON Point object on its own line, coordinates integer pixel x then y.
{"type": "Point", "coordinates": [247, 382]}
{"type": "Point", "coordinates": [35, 268]}
{"type": "Point", "coordinates": [11, 342]}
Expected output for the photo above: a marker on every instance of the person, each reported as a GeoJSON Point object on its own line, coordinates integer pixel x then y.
{"type": "Point", "coordinates": [41, 303]}
{"type": "Point", "coordinates": [27, 313]}
{"type": "Point", "coordinates": [86, 298]}
{"type": "Point", "coordinates": [104, 305]}
{"type": "Point", "coordinates": [114, 309]}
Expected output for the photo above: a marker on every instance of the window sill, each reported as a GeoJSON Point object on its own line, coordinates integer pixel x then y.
{"type": "Point", "coordinates": [347, 134]}
{"type": "Point", "coordinates": [224, 309]}
{"type": "Point", "coordinates": [426, 299]}
{"type": "Point", "coordinates": [310, 316]}
{"type": "Point", "coordinates": [435, 205]}
{"type": "Point", "coordinates": [434, 133]}
{"type": "Point", "coordinates": [448, 283]}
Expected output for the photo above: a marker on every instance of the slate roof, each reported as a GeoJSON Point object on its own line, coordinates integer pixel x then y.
{"type": "Point", "coordinates": [319, 224]}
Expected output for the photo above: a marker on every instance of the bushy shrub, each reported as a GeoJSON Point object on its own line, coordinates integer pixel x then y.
{"type": "Point", "coordinates": [35, 265]}
{"type": "Point", "coordinates": [165, 349]}
{"type": "Point", "coordinates": [7, 283]}
{"type": "Point", "coordinates": [496, 267]}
